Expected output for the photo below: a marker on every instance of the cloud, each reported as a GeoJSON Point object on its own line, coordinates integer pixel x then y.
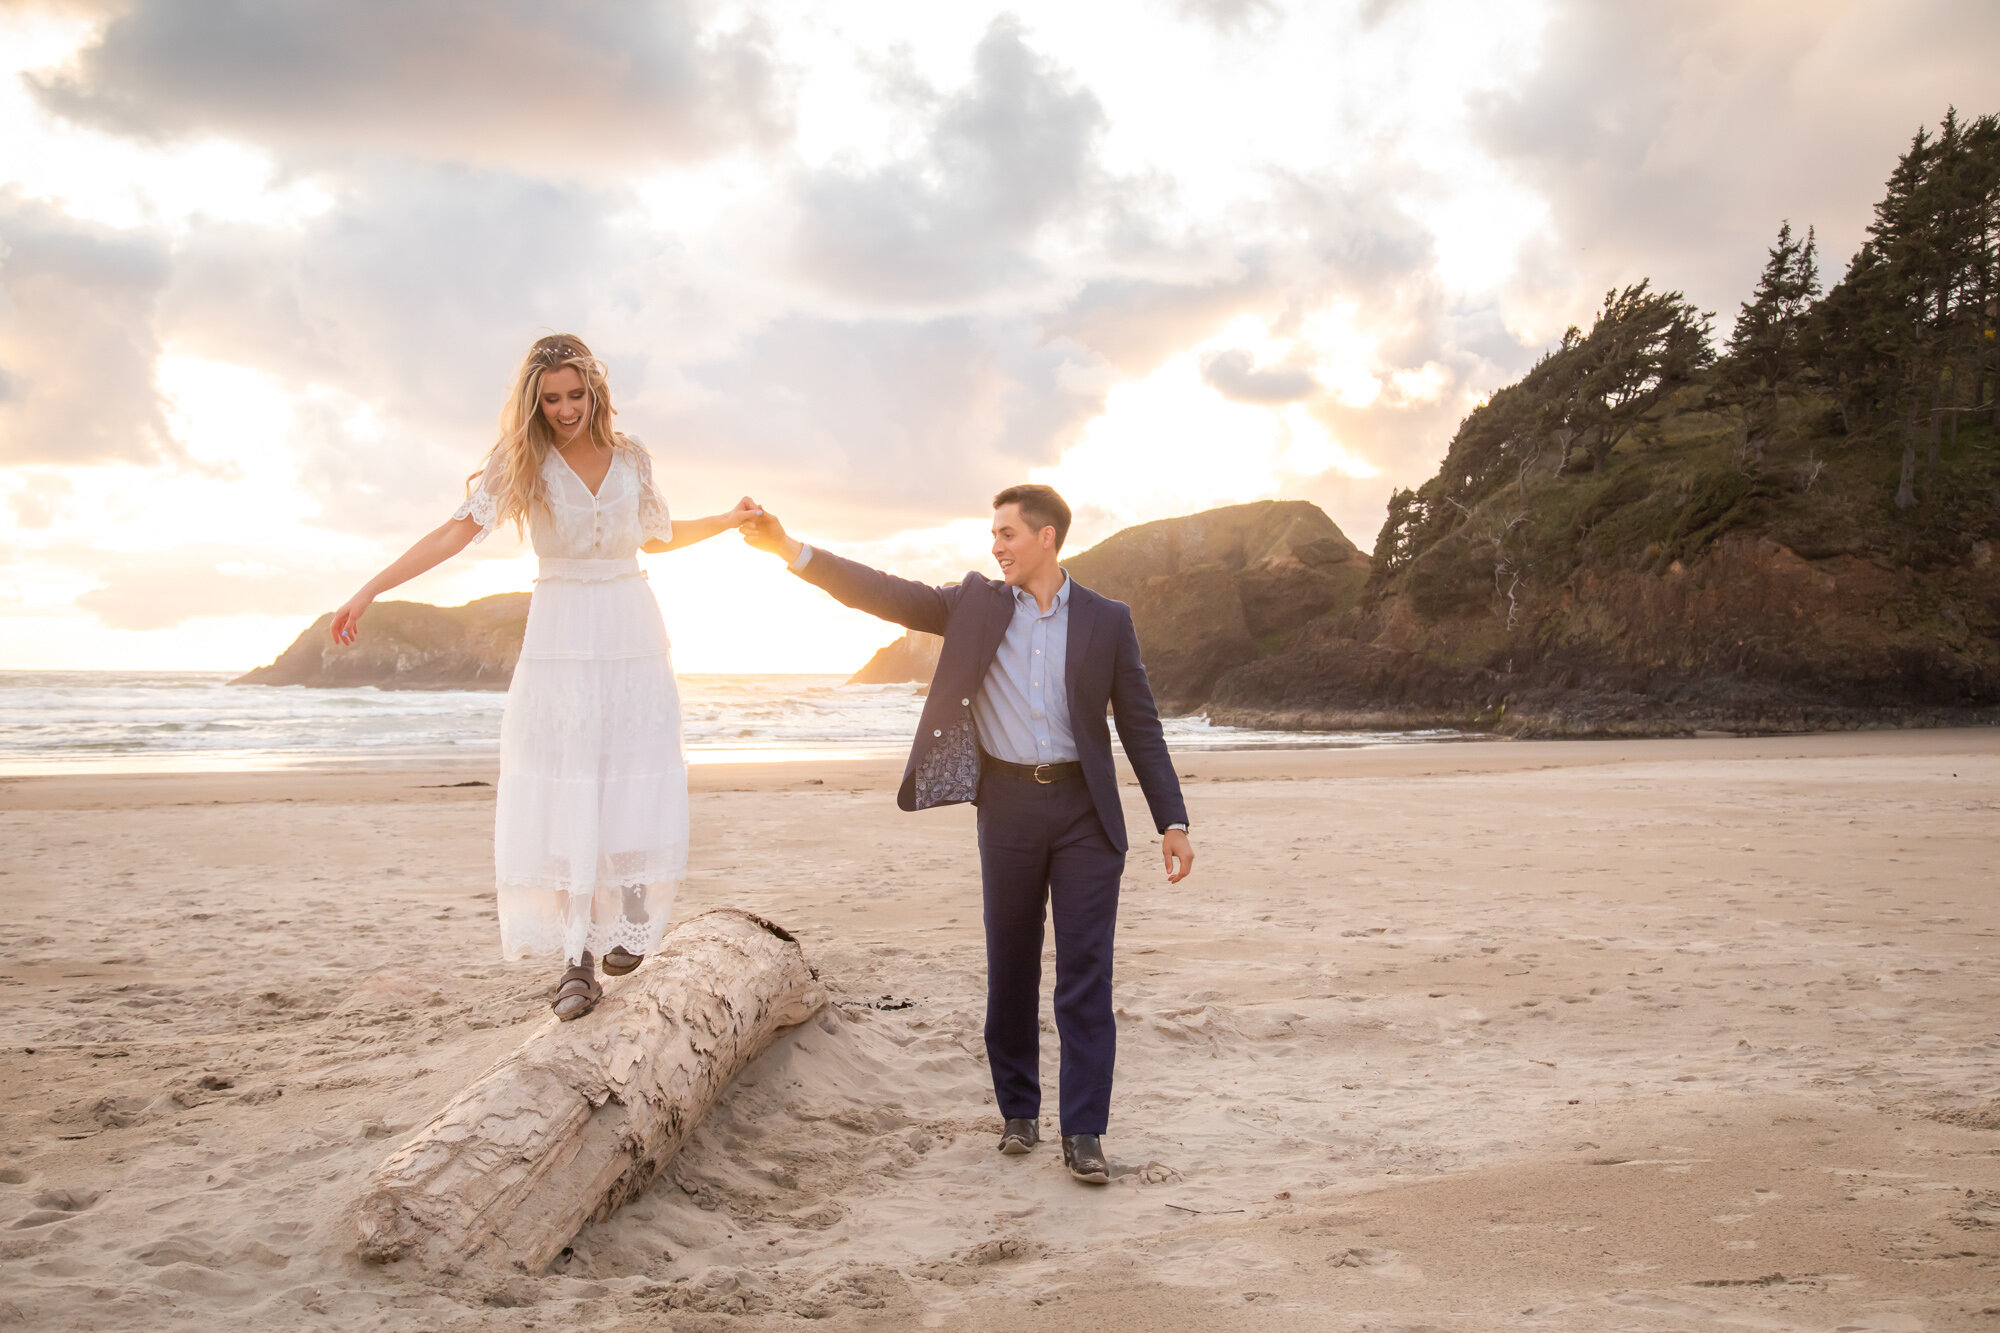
{"type": "Point", "coordinates": [1230, 17]}
{"type": "Point", "coordinates": [388, 327]}
{"type": "Point", "coordinates": [1235, 376]}
{"type": "Point", "coordinates": [1000, 161]}
{"type": "Point", "coordinates": [1136, 323]}
{"type": "Point", "coordinates": [1355, 239]}
{"type": "Point", "coordinates": [161, 589]}
{"type": "Point", "coordinates": [560, 87]}
{"type": "Point", "coordinates": [1671, 140]}
{"type": "Point", "coordinates": [41, 499]}
{"type": "Point", "coordinates": [901, 420]}
{"type": "Point", "coordinates": [418, 290]}
{"type": "Point", "coordinates": [78, 338]}
{"type": "Point", "coordinates": [397, 312]}
{"type": "Point", "coordinates": [401, 313]}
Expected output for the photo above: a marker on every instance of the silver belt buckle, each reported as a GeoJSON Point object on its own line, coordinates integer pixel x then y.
{"type": "Point", "coordinates": [1038, 774]}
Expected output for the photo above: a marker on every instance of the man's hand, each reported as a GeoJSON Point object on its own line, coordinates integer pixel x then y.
{"type": "Point", "coordinates": [766, 533]}
{"type": "Point", "coordinates": [1175, 848]}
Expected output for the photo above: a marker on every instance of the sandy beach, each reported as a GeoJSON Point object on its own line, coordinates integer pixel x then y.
{"type": "Point", "coordinates": [1579, 1036]}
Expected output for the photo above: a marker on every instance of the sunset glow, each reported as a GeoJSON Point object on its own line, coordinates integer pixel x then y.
{"type": "Point", "coordinates": [926, 251]}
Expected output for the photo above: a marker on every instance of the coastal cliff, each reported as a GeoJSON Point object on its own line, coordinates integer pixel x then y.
{"type": "Point", "coordinates": [1208, 591]}
{"type": "Point", "coordinates": [1648, 534]}
{"type": "Point", "coordinates": [1747, 636]}
{"type": "Point", "coordinates": [409, 646]}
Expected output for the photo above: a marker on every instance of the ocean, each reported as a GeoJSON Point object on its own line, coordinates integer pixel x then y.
{"type": "Point", "coordinates": [140, 721]}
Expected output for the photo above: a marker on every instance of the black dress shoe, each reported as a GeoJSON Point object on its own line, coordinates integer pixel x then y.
{"type": "Point", "coordinates": [1019, 1136]}
{"type": "Point", "coordinates": [1083, 1154]}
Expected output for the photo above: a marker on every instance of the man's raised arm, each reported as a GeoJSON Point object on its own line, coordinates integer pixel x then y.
{"type": "Point", "coordinates": [905, 602]}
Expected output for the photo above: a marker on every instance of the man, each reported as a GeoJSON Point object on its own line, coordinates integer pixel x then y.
{"type": "Point", "coordinates": [1015, 723]}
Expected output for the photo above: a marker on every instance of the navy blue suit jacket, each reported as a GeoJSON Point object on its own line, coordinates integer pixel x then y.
{"type": "Point", "coordinates": [1103, 669]}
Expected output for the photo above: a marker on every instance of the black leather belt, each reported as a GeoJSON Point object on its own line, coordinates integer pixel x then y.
{"type": "Point", "coordinates": [1042, 773]}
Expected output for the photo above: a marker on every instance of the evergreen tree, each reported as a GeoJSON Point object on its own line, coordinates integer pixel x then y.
{"type": "Point", "coordinates": [1765, 350]}
{"type": "Point", "coordinates": [1909, 337]}
{"type": "Point", "coordinates": [1841, 343]}
{"type": "Point", "coordinates": [1567, 413]}
{"type": "Point", "coordinates": [1901, 293]}
{"type": "Point", "coordinates": [1643, 344]}
{"type": "Point", "coordinates": [1905, 328]}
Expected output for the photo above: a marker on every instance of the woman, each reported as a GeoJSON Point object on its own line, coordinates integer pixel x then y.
{"type": "Point", "coordinates": [591, 830]}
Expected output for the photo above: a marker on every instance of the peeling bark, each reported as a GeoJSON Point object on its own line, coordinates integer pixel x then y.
{"type": "Point", "coordinates": [585, 1114]}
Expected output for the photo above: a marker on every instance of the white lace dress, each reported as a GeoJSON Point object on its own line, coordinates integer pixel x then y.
{"type": "Point", "coordinates": [590, 835]}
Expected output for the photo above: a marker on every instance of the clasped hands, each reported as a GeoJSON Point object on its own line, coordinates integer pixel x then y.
{"type": "Point", "coordinates": [762, 530]}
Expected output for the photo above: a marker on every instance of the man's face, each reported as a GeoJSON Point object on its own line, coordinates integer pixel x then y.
{"type": "Point", "coordinates": [1022, 551]}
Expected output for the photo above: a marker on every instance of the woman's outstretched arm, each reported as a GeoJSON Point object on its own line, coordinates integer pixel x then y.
{"type": "Point", "coordinates": [688, 531]}
{"type": "Point", "coordinates": [431, 550]}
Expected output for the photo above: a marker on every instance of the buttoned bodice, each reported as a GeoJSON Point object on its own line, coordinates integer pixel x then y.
{"type": "Point", "coordinates": [573, 524]}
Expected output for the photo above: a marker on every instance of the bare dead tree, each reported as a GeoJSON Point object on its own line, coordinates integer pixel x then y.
{"type": "Point", "coordinates": [1809, 472]}
{"type": "Point", "coordinates": [1504, 568]}
{"type": "Point", "coordinates": [1528, 461]}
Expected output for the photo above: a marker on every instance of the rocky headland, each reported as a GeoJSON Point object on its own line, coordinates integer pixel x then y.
{"type": "Point", "coordinates": [1746, 636]}
{"type": "Point", "coordinates": [1209, 592]}
{"type": "Point", "coordinates": [1647, 534]}
{"type": "Point", "coordinates": [409, 646]}
{"type": "Point", "coordinates": [912, 657]}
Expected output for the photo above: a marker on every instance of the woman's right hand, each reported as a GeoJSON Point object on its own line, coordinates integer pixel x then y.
{"type": "Point", "coordinates": [347, 620]}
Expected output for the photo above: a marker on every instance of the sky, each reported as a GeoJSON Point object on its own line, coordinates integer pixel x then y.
{"type": "Point", "coordinates": [266, 270]}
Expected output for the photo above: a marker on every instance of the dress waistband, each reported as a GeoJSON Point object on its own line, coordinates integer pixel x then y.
{"type": "Point", "coordinates": [589, 571]}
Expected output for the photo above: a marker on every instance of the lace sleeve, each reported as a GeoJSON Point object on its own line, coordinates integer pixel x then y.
{"type": "Point", "coordinates": [654, 521]}
{"type": "Point", "coordinates": [481, 505]}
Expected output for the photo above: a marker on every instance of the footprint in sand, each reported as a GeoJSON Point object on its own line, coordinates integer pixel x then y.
{"type": "Point", "coordinates": [996, 1251]}
{"type": "Point", "coordinates": [716, 1291]}
{"type": "Point", "coordinates": [67, 1200]}
{"type": "Point", "coordinates": [1360, 1257]}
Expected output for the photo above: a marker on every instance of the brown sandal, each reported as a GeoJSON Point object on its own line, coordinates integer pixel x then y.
{"type": "Point", "coordinates": [579, 983]}
{"type": "Point", "coordinates": [618, 962]}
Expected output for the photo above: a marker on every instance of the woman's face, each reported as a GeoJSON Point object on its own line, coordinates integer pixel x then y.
{"type": "Point", "coordinates": [566, 404]}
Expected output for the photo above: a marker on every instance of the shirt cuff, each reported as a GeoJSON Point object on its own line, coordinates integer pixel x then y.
{"type": "Point", "coordinates": [805, 555]}
{"type": "Point", "coordinates": [1171, 827]}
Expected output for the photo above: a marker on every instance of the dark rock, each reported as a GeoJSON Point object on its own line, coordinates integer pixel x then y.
{"type": "Point", "coordinates": [409, 646]}
{"type": "Point", "coordinates": [1745, 637]}
{"type": "Point", "coordinates": [1326, 681]}
{"type": "Point", "coordinates": [1222, 588]}
{"type": "Point", "coordinates": [1208, 592]}
{"type": "Point", "coordinates": [912, 657]}
{"type": "Point", "coordinates": [1192, 628]}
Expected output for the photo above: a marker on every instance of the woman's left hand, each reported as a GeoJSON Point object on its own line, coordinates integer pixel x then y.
{"type": "Point", "coordinates": [746, 509]}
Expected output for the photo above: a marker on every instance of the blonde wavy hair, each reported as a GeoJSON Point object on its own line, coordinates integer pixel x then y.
{"type": "Point", "coordinates": [525, 435]}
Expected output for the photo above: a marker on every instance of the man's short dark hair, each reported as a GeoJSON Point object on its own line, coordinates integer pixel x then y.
{"type": "Point", "coordinates": [1040, 506]}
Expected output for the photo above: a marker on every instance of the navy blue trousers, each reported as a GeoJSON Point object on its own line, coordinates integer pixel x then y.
{"type": "Point", "coordinates": [1042, 851]}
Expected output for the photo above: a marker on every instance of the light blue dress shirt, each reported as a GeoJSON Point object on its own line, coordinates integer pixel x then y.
{"type": "Point", "coordinates": [1022, 708]}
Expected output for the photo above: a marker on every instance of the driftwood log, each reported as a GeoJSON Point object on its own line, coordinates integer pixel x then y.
{"type": "Point", "coordinates": [584, 1115]}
